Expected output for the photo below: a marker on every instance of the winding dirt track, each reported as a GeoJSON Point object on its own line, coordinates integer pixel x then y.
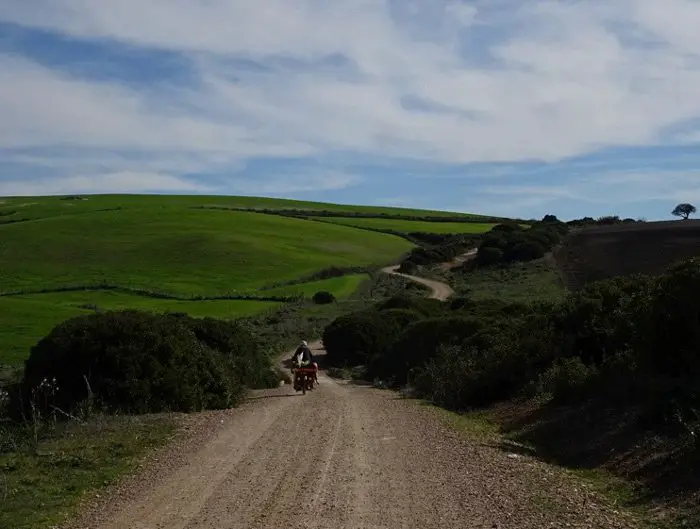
{"type": "Point", "coordinates": [346, 456]}
{"type": "Point", "coordinates": [438, 290]}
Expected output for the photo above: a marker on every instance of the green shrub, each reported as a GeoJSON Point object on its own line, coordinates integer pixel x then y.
{"type": "Point", "coordinates": [527, 250]}
{"type": "Point", "coordinates": [401, 317]}
{"type": "Point", "coordinates": [420, 304]}
{"type": "Point", "coordinates": [669, 338]}
{"type": "Point", "coordinates": [462, 377]}
{"type": "Point", "coordinates": [489, 256]}
{"type": "Point", "coordinates": [408, 267]}
{"type": "Point", "coordinates": [323, 297]}
{"type": "Point", "coordinates": [421, 341]}
{"type": "Point", "coordinates": [250, 365]}
{"type": "Point", "coordinates": [358, 338]}
{"type": "Point", "coordinates": [568, 380]}
{"type": "Point", "coordinates": [134, 362]}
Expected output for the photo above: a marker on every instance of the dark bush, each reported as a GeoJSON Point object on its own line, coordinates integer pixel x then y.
{"type": "Point", "coordinates": [134, 362]}
{"type": "Point", "coordinates": [421, 340]}
{"type": "Point", "coordinates": [401, 317]}
{"type": "Point", "coordinates": [525, 251]}
{"type": "Point", "coordinates": [422, 305]}
{"type": "Point", "coordinates": [408, 267]}
{"type": "Point", "coordinates": [461, 377]}
{"type": "Point", "coordinates": [323, 297]}
{"type": "Point", "coordinates": [251, 366]}
{"type": "Point", "coordinates": [669, 337]}
{"type": "Point", "coordinates": [507, 227]}
{"type": "Point", "coordinates": [489, 256]}
{"type": "Point", "coordinates": [569, 380]}
{"type": "Point", "coordinates": [358, 338]}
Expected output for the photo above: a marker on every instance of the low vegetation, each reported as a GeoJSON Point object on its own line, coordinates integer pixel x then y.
{"type": "Point", "coordinates": [65, 441]}
{"type": "Point", "coordinates": [509, 243]}
{"type": "Point", "coordinates": [42, 483]}
{"type": "Point", "coordinates": [135, 362]}
{"type": "Point", "coordinates": [520, 282]}
{"type": "Point", "coordinates": [620, 352]}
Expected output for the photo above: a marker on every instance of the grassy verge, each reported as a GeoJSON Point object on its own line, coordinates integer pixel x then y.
{"type": "Point", "coordinates": [630, 491]}
{"type": "Point", "coordinates": [40, 489]}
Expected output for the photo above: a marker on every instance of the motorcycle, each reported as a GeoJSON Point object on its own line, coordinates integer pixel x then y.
{"type": "Point", "coordinates": [305, 377]}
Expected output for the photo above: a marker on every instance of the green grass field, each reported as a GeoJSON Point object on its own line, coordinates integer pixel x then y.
{"type": "Point", "coordinates": [39, 207]}
{"type": "Point", "coordinates": [340, 287]}
{"type": "Point", "coordinates": [180, 250]}
{"type": "Point", "coordinates": [166, 244]}
{"type": "Point", "coordinates": [26, 319]}
{"type": "Point", "coordinates": [178, 245]}
{"type": "Point", "coordinates": [409, 226]}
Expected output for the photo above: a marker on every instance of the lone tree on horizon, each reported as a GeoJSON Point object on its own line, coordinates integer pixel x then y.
{"type": "Point", "coordinates": [683, 210]}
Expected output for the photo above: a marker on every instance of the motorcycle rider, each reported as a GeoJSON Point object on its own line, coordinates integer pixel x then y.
{"type": "Point", "coordinates": [303, 357]}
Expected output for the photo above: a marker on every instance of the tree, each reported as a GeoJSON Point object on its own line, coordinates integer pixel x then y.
{"type": "Point", "coordinates": [683, 210]}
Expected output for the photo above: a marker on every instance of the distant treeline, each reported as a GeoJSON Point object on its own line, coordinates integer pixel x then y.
{"type": "Point", "coordinates": [152, 293]}
{"type": "Point", "coordinates": [607, 220]}
{"type": "Point", "coordinates": [302, 213]}
{"type": "Point", "coordinates": [326, 273]}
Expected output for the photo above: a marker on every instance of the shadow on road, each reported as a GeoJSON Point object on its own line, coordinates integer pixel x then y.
{"type": "Point", "coordinates": [273, 396]}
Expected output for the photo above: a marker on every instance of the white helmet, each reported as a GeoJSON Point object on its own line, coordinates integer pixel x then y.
{"type": "Point", "coordinates": [304, 344]}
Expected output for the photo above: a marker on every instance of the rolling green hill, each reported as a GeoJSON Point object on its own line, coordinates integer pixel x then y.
{"type": "Point", "coordinates": [182, 247]}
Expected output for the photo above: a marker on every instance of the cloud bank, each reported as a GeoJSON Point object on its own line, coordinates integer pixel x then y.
{"type": "Point", "coordinates": [354, 99]}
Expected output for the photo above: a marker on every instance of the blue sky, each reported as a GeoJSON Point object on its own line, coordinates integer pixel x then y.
{"type": "Point", "coordinates": [508, 107]}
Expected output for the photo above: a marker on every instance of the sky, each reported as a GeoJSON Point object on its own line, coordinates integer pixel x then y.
{"type": "Point", "coordinates": [504, 107]}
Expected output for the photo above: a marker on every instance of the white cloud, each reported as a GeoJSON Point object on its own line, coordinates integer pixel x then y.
{"type": "Point", "coordinates": [607, 191]}
{"type": "Point", "coordinates": [293, 183]}
{"type": "Point", "coordinates": [555, 79]}
{"type": "Point", "coordinates": [124, 182]}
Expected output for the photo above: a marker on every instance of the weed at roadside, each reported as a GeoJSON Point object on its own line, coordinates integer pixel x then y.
{"type": "Point", "coordinates": [44, 488]}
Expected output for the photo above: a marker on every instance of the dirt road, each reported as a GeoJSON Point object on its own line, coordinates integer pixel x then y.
{"type": "Point", "coordinates": [345, 456]}
{"type": "Point", "coordinates": [438, 290]}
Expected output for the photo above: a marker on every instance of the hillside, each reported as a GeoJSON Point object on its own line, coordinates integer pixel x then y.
{"type": "Point", "coordinates": [206, 256]}
{"type": "Point", "coordinates": [602, 252]}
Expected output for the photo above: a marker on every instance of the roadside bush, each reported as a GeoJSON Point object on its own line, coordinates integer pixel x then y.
{"type": "Point", "coordinates": [408, 267]}
{"type": "Point", "coordinates": [668, 339]}
{"type": "Point", "coordinates": [323, 297]}
{"type": "Point", "coordinates": [475, 374]}
{"type": "Point", "coordinates": [134, 362]}
{"type": "Point", "coordinates": [569, 380]}
{"type": "Point", "coordinates": [599, 321]}
{"type": "Point", "coordinates": [421, 340]}
{"type": "Point", "coordinates": [358, 338]}
{"type": "Point", "coordinates": [250, 365]}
